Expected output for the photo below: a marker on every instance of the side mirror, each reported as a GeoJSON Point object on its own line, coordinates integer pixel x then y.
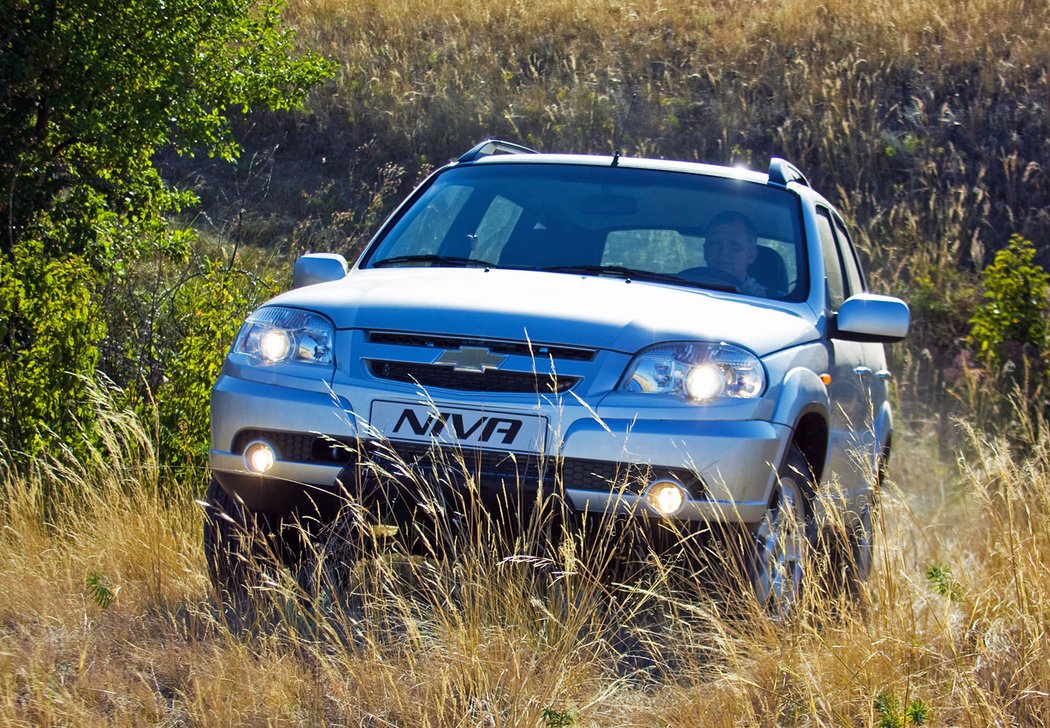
{"type": "Point", "coordinates": [867, 317]}
{"type": "Point", "coordinates": [318, 268]}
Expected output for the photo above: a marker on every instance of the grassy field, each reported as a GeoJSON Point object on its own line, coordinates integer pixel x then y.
{"type": "Point", "coordinates": [106, 616]}
{"type": "Point", "coordinates": [926, 120]}
{"type": "Point", "coordinates": [927, 123]}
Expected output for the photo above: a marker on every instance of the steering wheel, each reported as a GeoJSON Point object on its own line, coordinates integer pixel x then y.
{"type": "Point", "coordinates": [712, 274]}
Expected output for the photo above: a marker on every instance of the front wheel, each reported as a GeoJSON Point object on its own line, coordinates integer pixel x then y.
{"type": "Point", "coordinates": [785, 539]}
{"type": "Point", "coordinates": [235, 541]}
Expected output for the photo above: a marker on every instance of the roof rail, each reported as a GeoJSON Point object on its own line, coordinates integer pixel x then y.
{"type": "Point", "coordinates": [782, 171]}
{"type": "Point", "coordinates": [494, 146]}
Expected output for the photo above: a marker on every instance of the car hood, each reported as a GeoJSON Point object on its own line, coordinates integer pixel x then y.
{"type": "Point", "coordinates": [551, 308]}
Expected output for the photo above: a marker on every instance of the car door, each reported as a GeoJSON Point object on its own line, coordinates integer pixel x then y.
{"type": "Point", "coordinates": [872, 374]}
{"type": "Point", "coordinates": [850, 373]}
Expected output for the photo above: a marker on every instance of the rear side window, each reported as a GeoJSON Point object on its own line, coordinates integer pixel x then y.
{"type": "Point", "coordinates": [428, 223]}
{"type": "Point", "coordinates": [495, 228]}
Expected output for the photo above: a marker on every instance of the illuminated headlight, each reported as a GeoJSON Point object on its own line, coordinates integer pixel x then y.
{"type": "Point", "coordinates": [696, 371]}
{"type": "Point", "coordinates": [274, 334]}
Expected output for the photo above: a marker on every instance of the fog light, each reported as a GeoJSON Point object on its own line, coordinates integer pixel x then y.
{"type": "Point", "coordinates": [666, 497]}
{"type": "Point", "coordinates": [259, 457]}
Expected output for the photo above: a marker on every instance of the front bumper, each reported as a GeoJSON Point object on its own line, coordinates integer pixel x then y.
{"type": "Point", "coordinates": [602, 465]}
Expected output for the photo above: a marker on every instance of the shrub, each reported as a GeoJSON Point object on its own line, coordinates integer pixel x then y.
{"type": "Point", "coordinates": [1011, 339]}
{"type": "Point", "coordinates": [48, 337]}
{"type": "Point", "coordinates": [209, 310]}
{"type": "Point", "coordinates": [88, 93]}
{"type": "Point", "coordinates": [1010, 326]}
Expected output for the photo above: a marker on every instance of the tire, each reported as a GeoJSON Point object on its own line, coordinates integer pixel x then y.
{"type": "Point", "coordinates": [785, 539]}
{"type": "Point", "coordinates": [862, 538]}
{"type": "Point", "coordinates": [317, 550]}
{"type": "Point", "coordinates": [230, 549]}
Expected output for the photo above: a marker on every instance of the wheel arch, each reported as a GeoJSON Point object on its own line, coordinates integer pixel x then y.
{"type": "Point", "coordinates": [811, 437]}
{"type": "Point", "coordinates": [804, 405]}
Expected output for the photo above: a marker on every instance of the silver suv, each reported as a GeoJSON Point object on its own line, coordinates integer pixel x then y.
{"type": "Point", "coordinates": [671, 339]}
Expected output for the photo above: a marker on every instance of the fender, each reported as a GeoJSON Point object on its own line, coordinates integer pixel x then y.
{"type": "Point", "coordinates": [883, 426]}
{"type": "Point", "coordinates": [800, 393]}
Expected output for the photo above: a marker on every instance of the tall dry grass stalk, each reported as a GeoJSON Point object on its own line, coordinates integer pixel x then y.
{"type": "Point", "coordinates": [953, 624]}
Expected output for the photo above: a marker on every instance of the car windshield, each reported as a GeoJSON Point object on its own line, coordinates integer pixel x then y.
{"type": "Point", "coordinates": [673, 228]}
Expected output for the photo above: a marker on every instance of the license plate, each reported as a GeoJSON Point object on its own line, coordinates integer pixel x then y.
{"type": "Point", "coordinates": [459, 426]}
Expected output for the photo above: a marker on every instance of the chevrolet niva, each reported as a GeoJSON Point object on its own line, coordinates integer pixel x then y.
{"type": "Point", "coordinates": [687, 342]}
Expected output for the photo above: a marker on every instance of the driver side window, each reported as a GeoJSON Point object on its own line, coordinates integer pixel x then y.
{"type": "Point", "coordinates": [854, 278]}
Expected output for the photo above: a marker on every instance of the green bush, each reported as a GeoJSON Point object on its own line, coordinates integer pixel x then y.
{"type": "Point", "coordinates": [1010, 336]}
{"type": "Point", "coordinates": [209, 310]}
{"type": "Point", "coordinates": [1009, 329]}
{"type": "Point", "coordinates": [89, 93]}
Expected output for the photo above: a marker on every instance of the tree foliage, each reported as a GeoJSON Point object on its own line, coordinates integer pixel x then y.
{"type": "Point", "coordinates": [89, 91]}
{"type": "Point", "coordinates": [1010, 333]}
{"type": "Point", "coordinates": [1011, 324]}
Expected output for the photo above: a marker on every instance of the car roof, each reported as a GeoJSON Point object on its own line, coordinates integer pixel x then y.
{"type": "Point", "coordinates": [594, 160]}
{"type": "Point", "coordinates": [741, 173]}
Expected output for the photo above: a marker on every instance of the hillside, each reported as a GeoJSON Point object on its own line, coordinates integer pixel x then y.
{"type": "Point", "coordinates": [929, 120]}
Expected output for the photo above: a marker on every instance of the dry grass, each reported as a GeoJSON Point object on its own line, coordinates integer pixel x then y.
{"type": "Point", "coordinates": [954, 620]}
{"type": "Point", "coordinates": [895, 107]}
{"type": "Point", "coordinates": [925, 121]}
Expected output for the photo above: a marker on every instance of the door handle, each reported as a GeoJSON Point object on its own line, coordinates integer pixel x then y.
{"type": "Point", "coordinates": [862, 372]}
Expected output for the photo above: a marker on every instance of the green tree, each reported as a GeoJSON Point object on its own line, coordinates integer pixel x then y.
{"type": "Point", "coordinates": [212, 307]}
{"type": "Point", "coordinates": [89, 91]}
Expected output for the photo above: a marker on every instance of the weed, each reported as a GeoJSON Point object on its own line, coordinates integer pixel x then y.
{"type": "Point", "coordinates": [100, 591]}
{"type": "Point", "coordinates": [553, 718]}
{"type": "Point", "coordinates": [890, 715]}
{"type": "Point", "coordinates": [943, 582]}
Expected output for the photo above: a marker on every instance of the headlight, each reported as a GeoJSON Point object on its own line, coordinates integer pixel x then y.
{"type": "Point", "coordinates": [696, 371]}
{"type": "Point", "coordinates": [274, 334]}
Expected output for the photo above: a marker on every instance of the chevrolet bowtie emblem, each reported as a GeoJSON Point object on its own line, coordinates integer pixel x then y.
{"type": "Point", "coordinates": [470, 359]}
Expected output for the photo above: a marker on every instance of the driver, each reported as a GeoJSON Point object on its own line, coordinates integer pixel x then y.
{"type": "Point", "coordinates": [730, 247]}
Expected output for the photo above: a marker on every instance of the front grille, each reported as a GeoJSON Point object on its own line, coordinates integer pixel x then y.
{"type": "Point", "coordinates": [487, 467]}
{"type": "Point", "coordinates": [492, 380]}
{"type": "Point", "coordinates": [525, 471]}
{"type": "Point", "coordinates": [518, 348]}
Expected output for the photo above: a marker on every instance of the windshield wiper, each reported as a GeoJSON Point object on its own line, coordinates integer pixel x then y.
{"type": "Point", "coordinates": [637, 274]}
{"type": "Point", "coordinates": [434, 260]}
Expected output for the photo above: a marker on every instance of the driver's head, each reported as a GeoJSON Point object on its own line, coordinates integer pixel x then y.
{"type": "Point", "coordinates": [731, 244]}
